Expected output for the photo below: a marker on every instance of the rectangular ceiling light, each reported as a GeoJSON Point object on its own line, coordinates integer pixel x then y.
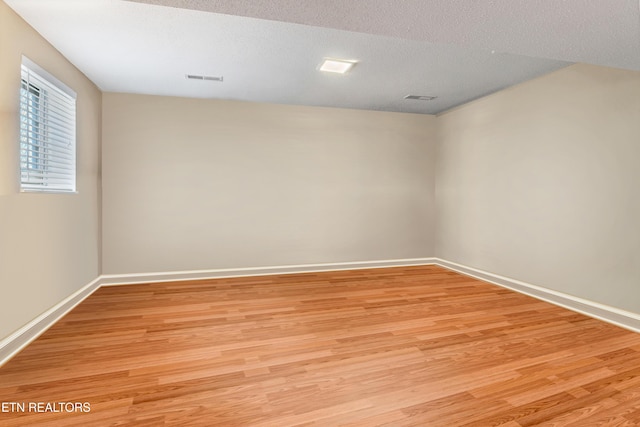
{"type": "Point", "coordinates": [340, 66]}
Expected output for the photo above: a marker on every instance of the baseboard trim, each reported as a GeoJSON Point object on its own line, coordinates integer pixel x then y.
{"type": "Point", "coordinates": [624, 319]}
{"type": "Point", "coordinates": [14, 343]}
{"type": "Point", "coordinates": [171, 276]}
{"type": "Point", "coordinates": [18, 340]}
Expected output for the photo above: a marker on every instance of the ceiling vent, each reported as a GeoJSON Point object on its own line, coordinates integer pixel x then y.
{"type": "Point", "coordinates": [421, 97]}
{"type": "Point", "coordinates": [208, 78]}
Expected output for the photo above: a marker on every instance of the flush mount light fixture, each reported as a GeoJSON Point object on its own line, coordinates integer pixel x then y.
{"type": "Point", "coordinates": [340, 66]}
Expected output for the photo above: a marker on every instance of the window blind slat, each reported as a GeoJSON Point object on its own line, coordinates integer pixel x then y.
{"type": "Point", "coordinates": [52, 113]}
{"type": "Point", "coordinates": [49, 139]}
{"type": "Point", "coordinates": [58, 121]}
{"type": "Point", "coordinates": [50, 175]}
{"type": "Point", "coordinates": [44, 188]}
{"type": "Point", "coordinates": [35, 179]}
{"type": "Point", "coordinates": [58, 152]}
{"type": "Point", "coordinates": [53, 108]}
{"type": "Point", "coordinates": [52, 166]}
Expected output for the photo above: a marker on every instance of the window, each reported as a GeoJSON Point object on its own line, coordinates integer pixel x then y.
{"type": "Point", "coordinates": [47, 132]}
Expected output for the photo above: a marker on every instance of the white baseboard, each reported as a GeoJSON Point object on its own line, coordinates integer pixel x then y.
{"type": "Point", "coordinates": [11, 345]}
{"type": "Point", "coordinates": [624, 319]}
{"type": "Point", "coordinates": [170, 276]}
{"type": "Point", "coordinates": [15, 342]}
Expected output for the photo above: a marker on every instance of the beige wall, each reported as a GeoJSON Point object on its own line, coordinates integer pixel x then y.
{"type": "Point", "coordinates": [538, 182]}
{"type": "Point", "coordinates": [49, 244]}
{"type": "Point", "coordinates": [541, 183]}
{"type": "Point", "coordinates": [202, 184]}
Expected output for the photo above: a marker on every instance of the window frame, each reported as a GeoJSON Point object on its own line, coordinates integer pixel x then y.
{"type": "Point", "coordinates": [47, 149]}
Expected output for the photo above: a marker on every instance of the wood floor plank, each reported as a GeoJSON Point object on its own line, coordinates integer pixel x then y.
{"type": "Point", "coordinates": [402, 346]}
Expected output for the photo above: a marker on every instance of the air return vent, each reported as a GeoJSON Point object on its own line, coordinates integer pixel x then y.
{"type": "Point", "coordinates": [209, 78]}
{"type": "Point", "coordinates": [421, 97]}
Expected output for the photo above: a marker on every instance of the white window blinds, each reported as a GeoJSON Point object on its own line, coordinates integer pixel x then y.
{"type": "Point", "coordinates": [47, 132]}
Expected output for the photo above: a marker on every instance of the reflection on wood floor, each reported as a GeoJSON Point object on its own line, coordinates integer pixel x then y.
{"type": "Point", "coordinates": [407, 346]}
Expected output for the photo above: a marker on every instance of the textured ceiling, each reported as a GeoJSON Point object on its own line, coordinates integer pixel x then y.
{"type": "Point", "coordinates": [602, 32]}
{"type": "Point", "coordinates": [424, 47]}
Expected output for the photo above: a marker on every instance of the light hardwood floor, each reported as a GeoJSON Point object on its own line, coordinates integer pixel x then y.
{"type": "Point", "coordinates": [414, 346]}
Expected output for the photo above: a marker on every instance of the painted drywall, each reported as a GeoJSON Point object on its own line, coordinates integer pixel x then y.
{"type": "Point", "coordinates": [541, 183]}
{"type": "Point", "coordinates": [49, 243]}
{"type": "Point", "coordinates": [194, 184]}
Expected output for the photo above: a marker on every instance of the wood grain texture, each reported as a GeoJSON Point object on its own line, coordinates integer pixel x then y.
{"type": "Point", "coordinates": [410, 346]}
